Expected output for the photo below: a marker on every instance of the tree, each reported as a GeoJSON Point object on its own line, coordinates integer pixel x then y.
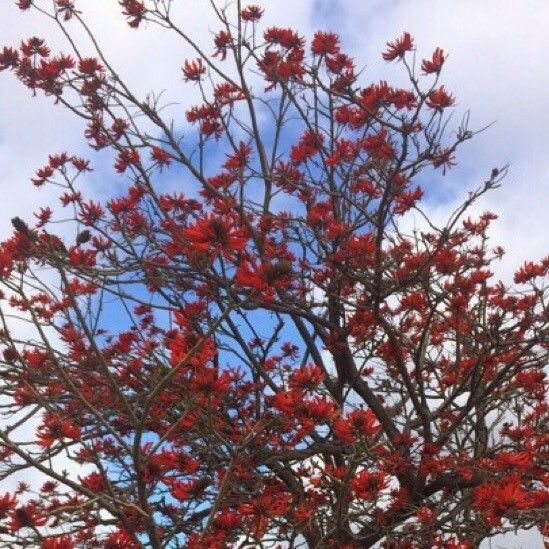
{"type": "Point", "coordinates": [268, 355]}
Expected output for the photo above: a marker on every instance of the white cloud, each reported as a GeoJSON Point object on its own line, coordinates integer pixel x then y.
{"type": "Point", "coordinates": [495, 69]}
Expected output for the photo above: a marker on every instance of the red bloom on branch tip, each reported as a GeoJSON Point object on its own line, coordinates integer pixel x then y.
{"type": "Point", "coordinates": [368, 485]}
{"type": "Point", "coordinates": [82, 258]}
{"type": "Point", "coordinates": [238, 160]}
{"type": "Point", "coordinates": [440, 99]}
{"type": "Point", "coordinates": [126, 158]}
{"type": "Point", "coordinates": [94, 482]}
{"type": "Point", "coordinates": [252, 13]}
{"type": "Point", "coordinates": [7, 503]}
{"type": "Point", "coordinates": [398, 47]}
{"type": "Point", "coordinates": [433, 65]}
{"type": "Point", "coordinates": [89, 66]}
{"type": "Point", "coordinates": [306, 377]}
{"type": "Point", "coordinates": [134, 11]}
{"type": "Point", "coordinates": [9, 58]}
{"type": "Point", "coordinates": [43, 216]}
{"type": "Point", "coordinates": [24, 4]}
{"type": "Point", "coordinates": [529, 271]}
{"type": "Point", "coordinates": [286, 38]}
{"type": "Point", "coordinates": [194, 70]}
{"type": "Point", "coordinates": [121, 540]}
{"type": "Point", "coordinates": [35, 46]}
{"type": "Point", "coordinates": [58, 542]}
{"type": "Point", "coordinates": [309, 144]}
{"type": "Point", "coordinates": [42, 175]}
{"type": "Point", "coordinates": [444, 158]}
{"type": "Point", "coordinates": [325, 43]}
{"type": "Point", "coordinates": [160, 156]}
{"type": "Point", "coordinates": [222, 42]}
{"type": "Point", "coordinates": [56, 428]}
{"type": "Point", "coordinates": [214, 235]}
{"type": "Point", "coordinates": [26, 516]}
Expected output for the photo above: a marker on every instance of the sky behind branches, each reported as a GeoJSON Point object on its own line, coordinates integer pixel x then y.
{"type": "Point", "coordinates": [495, 68]}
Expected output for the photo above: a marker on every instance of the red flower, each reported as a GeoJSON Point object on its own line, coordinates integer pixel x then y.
{"type": "Point", "coordinates": [286, 38]}
{"type": "Point", "coordinates": [529, 271]}
{"type": "Point", "coordinates": [214, 235]}
{"type": "Point", "coordinates": [309, 144]}
{"type": "Point", "coordinates": [399, 47]}
{"type": "Point", "coordinates": [276, 67]}
{"type": "Point", "coordinates": [82, 258]}
{"type": "Point", "coordinates": [531, 380]}
{"type": "Point", "coordinates": [66, 8]}
{"type": "Point", "coordinates": [325, 43]}
{"type": "Point", "coordinates": [194, 70]}
{"type": "Point", "coordinates": [425, 515]}
{"type": "Point", "coordinates": [237, 160]}
{"type": "Point", "coordinates": [227, 520]}
{"type": "Point", "coordinates": [286, 402]}
{"type": "Point", "coordinates": [93, 482]}
{"type": "Point", "coordinates": [209, 381]}
{"type": "Point", "coordinates": [135, 12]}
{"type": "Point", "coordinates": [121, 540]}
{"type": "Point", "coordinates": [7, 503]}
{"type": "Point", "coordinates": [24, 4]}
{"type": "Point", "coordinates": [440, 99]}
{"type": "Point", "coordinates": [185, 490]}
{"type": "Point", "coordinates": [80, 164]}
{"type": "Point", "coordinates": [365, 422]}
{"type": "Point", "coordinates": [43, 216]}
{"type": "Point", "coordinates": [522, 461]}
{"type": "Point", "coordinates": [126, 158]}
{"type": "Point", "coordinates": [406, 200]}
{"type": "Point", "coordinates": [56, 161]}
{"type": "Point", "coordinates": [56, 428]}
{"type": "Point", "coordinates": [9, 58]}
{"type": "Point", "coordinates": [267, 278]}
{"type": "Point", "coordinates": [306, 377]}
{"type": "Point", "coordinates": [496, 500]}
{"type": "Point", "coordinates": [161, 156]}
{"type": "Point", "coordinates": [435, 63]}
{"type": "Point", "coordinates": [58, 542]}
{"type": "Point", "coordinates": [339, 63]}
{"type": "Point", "coordinates": [42, 175]}
{"type": "Point", "coordinates": [367, 485]}
{"type": "Point", "coordinates": [35, 46]}
{"type": "Point", "coordinates": [444, 158]}
{"type": "Point", "coordinates": [319, 408]}
{"type": "Point", "coordinates": [208, 116]}
{"type": "Point", "coordinates": [27, 516]}
{"type": "Point", "coordinates": [252, 13]}
{"type": "Point", "coordinates": [446, 261]}
{"type": "Point", "coordinates": [89, 66]}
{"type": "Point", "coordinates": [344, 431]}
{"type": "Point", "coordinates": [227, 93]}
{"type": "Point", "coordinates": [222, 42]}
{"type": "Point", "coordinates": [91, 212]}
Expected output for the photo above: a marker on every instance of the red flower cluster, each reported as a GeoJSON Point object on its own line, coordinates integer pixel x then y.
{"type": "Point", "coordinates": [194, 70]}
{"type": "Point", "coordinates": [213, 235]}
{"type": "Point", "coordinates": [252, 13]}
{"type": "Point", "coordinates": [127, 158]}
{"type": "Point", "coordinates": [398, 47]}
{"type": "Point", "coordinates": [440, 99]}
{"type": "Point", "coordinates": [433, 65]}
{"type": "Point", "coordinates": [134, 10]}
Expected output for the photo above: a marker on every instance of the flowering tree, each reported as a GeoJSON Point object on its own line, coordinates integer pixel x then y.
{"type": "Point", "coordinates": [268, 355]}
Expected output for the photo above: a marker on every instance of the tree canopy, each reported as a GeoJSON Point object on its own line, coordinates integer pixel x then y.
{"type": "Point", "coordinates": [261, 338]}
